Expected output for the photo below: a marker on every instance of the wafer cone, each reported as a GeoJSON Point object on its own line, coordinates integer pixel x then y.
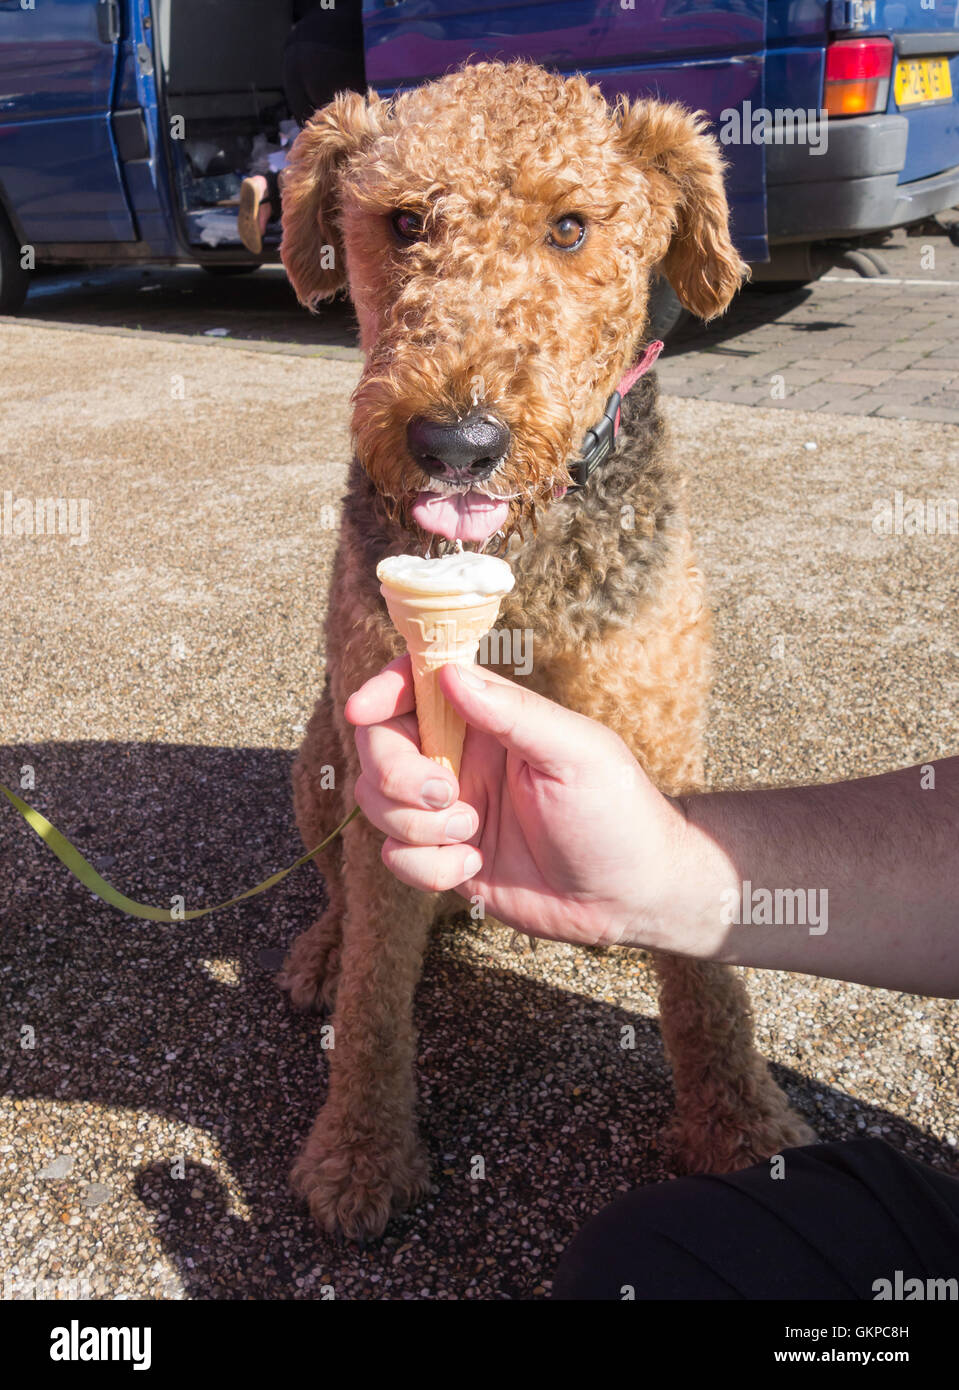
{"type": "Point", "coordinates": [439, 628]}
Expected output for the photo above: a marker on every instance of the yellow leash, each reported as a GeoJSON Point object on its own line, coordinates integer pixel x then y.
{"type": "Point", "coordinates": [88, 876]}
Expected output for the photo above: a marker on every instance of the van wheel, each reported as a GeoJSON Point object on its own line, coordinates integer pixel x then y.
{"type": "Point", "coordinates": [231, 269]}
{"type": "Point", "coordinates": [14, 280]}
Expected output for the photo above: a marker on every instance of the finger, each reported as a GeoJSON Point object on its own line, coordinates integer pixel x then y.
{"type": "Point", "coordinates": [394, 766]}
{"type": "Point", "coordinates": [388, 693]}
{"type": "Point", "coordinates": [433, 870]}
{"type": "Point", "coordinates": [413, 827]}
{"type": "Point", "coordinates": [547, 736]}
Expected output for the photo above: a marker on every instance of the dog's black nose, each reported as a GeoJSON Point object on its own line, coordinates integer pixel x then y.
{"type": "Point", "coordinates": [470, 449]}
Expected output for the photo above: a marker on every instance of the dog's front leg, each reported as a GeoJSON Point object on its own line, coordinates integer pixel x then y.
{"type": "Point", "coordinates": [729, 1111]}
{"type": "Point", "coordinates": [363, 1159]}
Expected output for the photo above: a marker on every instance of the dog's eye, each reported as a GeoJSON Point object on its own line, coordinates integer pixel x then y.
{"type": "Point", "coordinates": [407, 225]}
{"type": "Point", "coordinates": [567, 233]}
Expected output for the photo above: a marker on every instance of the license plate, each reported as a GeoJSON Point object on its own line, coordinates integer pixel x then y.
{"type": "Point", "coordinates": [920, 81]}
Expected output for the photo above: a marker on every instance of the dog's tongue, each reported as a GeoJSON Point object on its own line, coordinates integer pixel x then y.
{"type": "Point", "coordinates": [461, 516]}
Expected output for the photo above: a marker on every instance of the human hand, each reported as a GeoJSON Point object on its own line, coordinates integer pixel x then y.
{"type": "Point", "coordinates": [553, 822]}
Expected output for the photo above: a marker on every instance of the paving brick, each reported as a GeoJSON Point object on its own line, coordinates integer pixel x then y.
{"type": "Point", "coordinates": [844, 347]}
{"type": "Point", "coordinates": [846, 395]}
{"type": "Point", "coordinates": [766, 365]}
{"type": "Point", "coordinates": [919, 412]}
{"type": "Point", "coordinates": [736, 395]}
{"type": "Point", "coordinates": [869, 402]}
{"type": "Point", "coordinates": [895, 359]}
{"type": "Point", "coordinates": [810, 361]}
{"type": "Point", "coordinates": [793, 378]}
{"type": "Point", "coordinates": [751, 367]}
{"type": "Point", "coordinates": [931, 340]}
{"type": "Point", "coordinates": [924, 336]}
{"type": "Point", "coordinates": [949, 399]}
{"type": "Point", "coordinates": [932, 343]}
{"type": "Point", "coordinates": [895, 311]}
{"type": "Point", "coordinates": [829, 366]}
{"type": "Point", "coordinates": [847, 405]}
{"type": "Point", "coordinates": [874, 329]}
{"type": "Point", "coordinates": [860, 376]}
{"type": "Point", "coordinates": [894, 392]}
{"type": "Point", "coordinates": [921, 372]}
{"type": "Point", "coordinates": [900, 303]}
{"type": "Point", "coordinates": [809, 398]}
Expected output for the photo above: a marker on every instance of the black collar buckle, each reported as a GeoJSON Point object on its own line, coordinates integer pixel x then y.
{"type": "Point", "coordinates": [598, 444]}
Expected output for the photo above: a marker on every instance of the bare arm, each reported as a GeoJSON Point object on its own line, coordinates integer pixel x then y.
{"type": "Point", "coordinates": [876, 862]}
{"type": "Point", "coordinates": [555, 826]}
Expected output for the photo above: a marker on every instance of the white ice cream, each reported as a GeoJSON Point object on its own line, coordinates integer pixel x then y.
{"type": "Point", "coordinates": [464, 574]}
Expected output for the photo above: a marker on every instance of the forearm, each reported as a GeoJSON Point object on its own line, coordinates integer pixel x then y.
{"type": "Point", "coordinates": [852, 881]}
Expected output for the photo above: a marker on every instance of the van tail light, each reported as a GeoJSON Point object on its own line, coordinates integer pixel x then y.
{"type": "Point", "coordinates": [857, 76]}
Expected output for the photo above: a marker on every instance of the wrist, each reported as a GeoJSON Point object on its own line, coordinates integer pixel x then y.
{"type": "Point", "coordinates": [683, 915]}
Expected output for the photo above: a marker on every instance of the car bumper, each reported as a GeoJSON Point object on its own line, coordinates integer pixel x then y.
{"type": "Point", "coordinates": [852, 187]}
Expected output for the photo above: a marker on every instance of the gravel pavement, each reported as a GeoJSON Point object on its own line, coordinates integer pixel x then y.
{"type": "Point", "coordinates": [156, 680]}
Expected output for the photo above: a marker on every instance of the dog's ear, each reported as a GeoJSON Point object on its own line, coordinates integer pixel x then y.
{"type": "Point", "coordinates": [312, 250]}
{"type": "Point", "coordinates": [683, 163]}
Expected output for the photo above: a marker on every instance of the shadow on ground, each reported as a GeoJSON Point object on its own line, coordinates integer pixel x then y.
{"type": "Point", "coordinates": [752, 309]}
{"type": "Point", "coordinates": [187, 300]}
{"type": "Point", "coordinates": [262, 308]}
{"type": "Point", "coordinates": [130, 1017]}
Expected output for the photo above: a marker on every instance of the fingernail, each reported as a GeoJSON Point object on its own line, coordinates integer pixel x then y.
{"type": "Point", "coordinates": [470, 678]}
{"type": "Point", "coordinates": [458, 827]}
{"type": "Point", "coordinates": [472, 864]}
{"type": "Point", "coordinates": [437, 793]}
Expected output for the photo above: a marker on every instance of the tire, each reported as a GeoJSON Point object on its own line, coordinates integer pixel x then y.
{"type": "Point", "coordinates": [666, 314]}
{"type": "Point", "coordinates": [780, 286]}
{"type": "Point", "coordinates": [14, 280]}
{"type": "Point", "coordinates": [219, 270]}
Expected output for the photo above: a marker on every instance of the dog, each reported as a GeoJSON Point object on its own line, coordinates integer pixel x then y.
{"type": "Point", "coordinates": [497, 231]}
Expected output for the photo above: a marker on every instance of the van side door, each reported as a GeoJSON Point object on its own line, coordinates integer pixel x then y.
{"type": "Point", "coordinates": [59, 172]}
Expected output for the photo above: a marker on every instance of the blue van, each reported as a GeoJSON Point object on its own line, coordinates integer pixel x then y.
{"type": "Point", "coordinates": [126, 125]}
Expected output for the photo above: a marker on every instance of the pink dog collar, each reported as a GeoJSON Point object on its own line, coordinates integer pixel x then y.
{"type": "Point", "coordinates": [599, 441]}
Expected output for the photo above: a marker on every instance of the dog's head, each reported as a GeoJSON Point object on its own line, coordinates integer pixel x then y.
{"type": "Point", "coordinates": [497, 230]}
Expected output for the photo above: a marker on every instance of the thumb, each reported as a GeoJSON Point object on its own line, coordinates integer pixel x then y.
{"type": "Point", "coordinates": [544, 734]}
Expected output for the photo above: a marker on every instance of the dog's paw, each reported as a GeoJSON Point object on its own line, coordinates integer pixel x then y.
{"type": "Point", "coordinates": [728, 1147]}
{"type": "Point", "coordinates": [308, 993]}
{"type": "Point", "coordinates": [354, 1188]}
{"type": "Point", "coordinates": [311, 971]}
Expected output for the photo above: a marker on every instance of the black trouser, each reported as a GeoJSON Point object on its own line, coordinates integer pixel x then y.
{"type": "Point", "coordinates": [842, 1217]}
{"type": "Point", "coordinates": [323, 56]}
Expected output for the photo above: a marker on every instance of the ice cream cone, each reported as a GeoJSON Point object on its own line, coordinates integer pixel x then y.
{"type": "Point", "coordinates": [439, 628]}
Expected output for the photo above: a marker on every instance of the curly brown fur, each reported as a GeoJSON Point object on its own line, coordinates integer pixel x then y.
{"type": "Point", "coordinates": [483, 310]}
